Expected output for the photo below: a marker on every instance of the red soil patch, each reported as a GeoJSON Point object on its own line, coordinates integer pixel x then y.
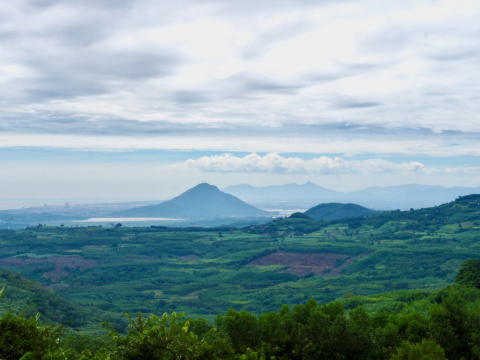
{"type": "Point", "coordinates": [187, 258]}
{"type": "Point", "coordinates": [72, 261]}
{"type": "Point", "coordinates": [141, 259]}
{"type": "Point", "coordinates": [56, 274]}
{"type": "Point", "coordinates": [300, 264]}
{"type": "Point", "coordinates": [17, 262]}
{"type": "Point", "coordinates": [60, 263]}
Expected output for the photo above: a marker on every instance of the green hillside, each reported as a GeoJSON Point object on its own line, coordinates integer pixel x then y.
{"type": "Point", "coordinates": [29, 298]}
{"type": "Point", "coordinates": [202, 201]}
{"type": "Point", "coordinates": [333, 211]}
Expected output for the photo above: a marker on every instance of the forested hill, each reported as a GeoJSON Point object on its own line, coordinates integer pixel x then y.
{"type": "Point", "coordinates": [332, 211]}
{"type": "Point", "coordinates": [464, 209]}
{"type": "Point", "coordinates": [22, 296]}
{"type": "Point", "coordinates": [201, 201]}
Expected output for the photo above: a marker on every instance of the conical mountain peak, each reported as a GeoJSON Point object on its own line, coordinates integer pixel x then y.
{"type": "Point", "coordinates": [204, 187]}
{"type": "Point", "coordinates": [201, 201]}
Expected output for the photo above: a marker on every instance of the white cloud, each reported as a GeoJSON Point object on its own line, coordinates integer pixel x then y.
{"type": "Point", "coordinates": [261, 64]}
{"type": "Point", "coordinates": [274, 163]}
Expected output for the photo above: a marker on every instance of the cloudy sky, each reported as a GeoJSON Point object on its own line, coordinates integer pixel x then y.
{"type": "Point", "coordinates": [114, 100]}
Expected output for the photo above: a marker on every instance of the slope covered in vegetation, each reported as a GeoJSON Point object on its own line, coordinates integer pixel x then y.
{"type": "Point", "coordinates": [333, 211]}
{"type": "Point", "coordinates": [26, 297]}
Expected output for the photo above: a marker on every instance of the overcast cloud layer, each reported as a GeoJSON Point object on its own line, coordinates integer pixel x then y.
{"type": "Point", "coordinates": [347, 94]}
{"type": "Point", "coordinates": [320, 76]}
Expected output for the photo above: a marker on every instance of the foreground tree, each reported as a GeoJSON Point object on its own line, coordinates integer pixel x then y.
{"type": "Point", "coordinates": [469, 273]}
{"type": "Point", "coordinates": [156, 338]}
{"type": "Point", "coordinates": [426, 350]}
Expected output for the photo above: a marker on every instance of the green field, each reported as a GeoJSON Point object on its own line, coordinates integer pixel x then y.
{"type": "Point", "coordinates": [204, 272]}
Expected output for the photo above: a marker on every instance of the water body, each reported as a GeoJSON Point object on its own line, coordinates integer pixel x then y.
{"type": "Point", "coordinates": [285, 212]}
{"type": "Point", "coordinates": [127, 219]}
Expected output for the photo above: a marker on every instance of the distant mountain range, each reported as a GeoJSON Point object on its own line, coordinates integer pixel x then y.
{"type": "Point", "coordinates": [205, 202]}
{"type": "Point", "coordinates": [291, 192]}
{"type": "Point", "coordinates": [333, 211]}
{"type": "Point", "coordinates": [201, 201]}
{"type": "Point", "coordinates": [381, 198]}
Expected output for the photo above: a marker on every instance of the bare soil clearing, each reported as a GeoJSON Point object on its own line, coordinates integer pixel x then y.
{"type": "Point", "coordinates": [300, 264]}
{"type": "Point", "coordinates": [150, 259]}
{"type": "Point", "coordinates": [17, 262]}
{"type": "Point", "coordinates": [60, 263]}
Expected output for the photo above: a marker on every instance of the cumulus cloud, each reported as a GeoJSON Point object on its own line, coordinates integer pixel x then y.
{"type": "Point", "coordinates": [274, 163]}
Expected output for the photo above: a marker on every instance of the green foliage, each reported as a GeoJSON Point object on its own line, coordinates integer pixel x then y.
{"type": "Point", "coordinates": [469, 273]}
{"type": "Point", "coordinates": [80, 344]}
{"type": "Point", "coordinates": [156, 338]}
{"type": "Point", "coordinates": [200, 327]}
{"type": "Point", "coordinates": [27, 339]}
{"type": "Point", "coordinates": [251, 355]}
{"type": "Point", "coordinates": [31, 299]}
{"type": "Point", "coordinates": [299, 215]}
{"type": "Point", "coordinates": [241, 328]}
{"type": "Point", "coordinates": [426, 350]}
{"type": "Point", "coordinates": [452, 325]}
{"type": "Point", "coordinates": [102, 354]}
{"type": "Point", "coordinates": [333, 211]}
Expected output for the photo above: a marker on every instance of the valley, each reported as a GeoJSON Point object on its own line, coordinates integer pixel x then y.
{"type": "Point", "coordinates": [258, 268]}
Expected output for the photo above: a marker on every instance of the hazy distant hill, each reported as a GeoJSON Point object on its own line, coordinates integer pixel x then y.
{"type": "Point", "coordinates": [417, 195]}
{"type": "Point", "coordinates": [201, 201]}
{"type": "Point", "coordinates": [295, 192]}
{"type": "Point", "coordinates": [332, 211]}
{"type": "Point", "coordinates": [384, 198]}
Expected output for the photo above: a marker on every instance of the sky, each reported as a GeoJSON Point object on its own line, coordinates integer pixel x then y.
{"type": "Point", "coordinates": [115, 100]}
